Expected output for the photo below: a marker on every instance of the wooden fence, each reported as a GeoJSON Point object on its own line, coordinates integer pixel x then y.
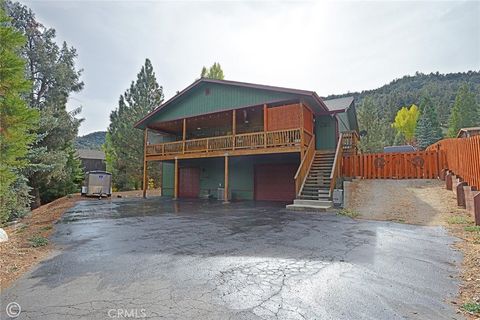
{"type": "Point", "coordinates": [407, 165]}
{"type": "Point", "coordinates": [462, 157]}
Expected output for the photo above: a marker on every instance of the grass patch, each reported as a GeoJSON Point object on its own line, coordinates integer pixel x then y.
{"type": "Point", "coordinates": [348, 213]}
{"type": "Point", "coordinates": [458, 220]}
{"type": "Point", "coordinates": [472, 228]}
{"type": "Point", "coordinates": [46, 228]}
{"type": "Point", "coordinates": [471, 307]}
{"type": "Point", "coordinates": [38, 241]}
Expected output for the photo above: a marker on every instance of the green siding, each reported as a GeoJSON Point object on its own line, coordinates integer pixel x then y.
{"type": "Point", "coordinates": [325, 133]}
{"type": "Point", "coordinates": [220, 97]}
{"type": "Point", "coordinates": [343, 122]}
{"type": "Point", "coordinates": [167, 179]}
{"type": "Point", "coordinates": [352, 118]}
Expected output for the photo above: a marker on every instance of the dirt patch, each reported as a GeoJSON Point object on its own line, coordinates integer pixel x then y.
{"type": "Point", "coordinates": [423, 202]}
{"type": "Point", "coordinates": [28, 239]}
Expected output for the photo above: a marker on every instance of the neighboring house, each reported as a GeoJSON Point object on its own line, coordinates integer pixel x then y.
{"type": "Point", "coordinates": [395, 149]}
{"type": "Point", "coordinates": [235, 140]}
{"type": "Point", "coordinates": [92, 159]}
{"type": "Point", "coordinates": [468, 132]}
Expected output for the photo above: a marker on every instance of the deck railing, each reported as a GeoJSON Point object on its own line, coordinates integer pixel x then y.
{"type": "Point", "coordinates": [304, 167]}
{"type": "Point", "coordinates": [264, 139]}
{"type": "Point", "coordinates": [337, 164]}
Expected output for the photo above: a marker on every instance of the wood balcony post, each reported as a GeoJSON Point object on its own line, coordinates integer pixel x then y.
{"type": "Point", "coordinates": [175, 187]}
{"type": "Point", "coordinates": [225, 189]}
{"type": "Point", "coordinates": [234, 127]}
{"type": "Point", "coordinates": [184, 133]}
{"type": "Point", "coordinates": [302, 130]}
{"type": "Point", "coordinates": [265, 124]}
{"type": "Point", "coordinates": [145, 164]}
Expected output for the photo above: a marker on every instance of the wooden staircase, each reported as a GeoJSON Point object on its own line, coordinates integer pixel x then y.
{"type": "Point", "coordinates": [314, 194]}
{"type": "Point", "coordinates": [317, 184]}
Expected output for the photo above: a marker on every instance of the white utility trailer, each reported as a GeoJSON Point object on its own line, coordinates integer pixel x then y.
{"type": "Point", "coordinates": [97, 184]}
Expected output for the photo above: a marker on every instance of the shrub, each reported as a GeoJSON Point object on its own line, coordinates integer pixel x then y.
{"type": "Point", "coordinates": [38, 241]}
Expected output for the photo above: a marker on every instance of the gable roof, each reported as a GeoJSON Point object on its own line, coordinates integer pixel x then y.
{"type": "Point", "coordinates": [339, 104]}
{"type": "Point", "coordinates": [312, 95]}
{"type": "Point", "coordinates": [90, 154]}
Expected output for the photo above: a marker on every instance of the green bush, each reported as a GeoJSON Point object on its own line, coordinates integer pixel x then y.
{"type": "Point", "coordinates": [38, 241]}
{"type": "Point", "coordinates": [458, 220]}
{"type": "Point", "coordinates": [472, 228]}
{"type": "Point", "coordinates": [348, 213]}
{"type": "Point", "coordinates": [472, 307]}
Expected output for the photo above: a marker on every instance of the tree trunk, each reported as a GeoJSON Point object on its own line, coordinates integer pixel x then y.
{"type": "Point", "coordinates": [36, 202]}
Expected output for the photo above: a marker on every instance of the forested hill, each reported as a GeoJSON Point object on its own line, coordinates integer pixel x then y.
{"type": "Point", "coordinates": [441, 88]}
{"type": "Point", "coordinates": [93, 140]}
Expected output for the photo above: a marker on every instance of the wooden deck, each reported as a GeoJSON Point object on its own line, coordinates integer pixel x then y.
{"type": "Point", "coordinates": [264, 142]}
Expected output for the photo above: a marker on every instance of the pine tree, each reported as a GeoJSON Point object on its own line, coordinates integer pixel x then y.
{"type": "Point", "coordinates": [16, 122]}
{"type": "Point", "coordinates": [52, 72]}
{"type": "Point", "coordinates": [368, 119]}
{"type": "Point", "coordinates": [465, 111]}
{"type": "Point", "coordinates": [428, 129]}
{"type": "Point", "coordinates": [124, 143]}
{"type": "Point", "coordinates": [215, 72]}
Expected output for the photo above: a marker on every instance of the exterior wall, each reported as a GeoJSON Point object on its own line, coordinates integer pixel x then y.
{"type": "Point", "coordinates": [219, 97]}
{"type": "Point", "coordinates": [93, 164]}
{"type": "Point", "coordinates": [325, 136]}
{"type": "Point", "coordinates": [241, 174]}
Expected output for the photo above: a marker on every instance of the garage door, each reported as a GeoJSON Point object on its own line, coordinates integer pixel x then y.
{"type": "Point", "coordinates": [275, 182]}
{"type": "Point", "coordinates": [189, 182]}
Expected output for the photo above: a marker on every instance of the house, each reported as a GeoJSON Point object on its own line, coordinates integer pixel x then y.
{"type": "Point", "coordinates": [92, 160]}
{"type": "Point", "coordinates": [468, 132]}
{"type": "Point", "coordinates": [398, 149]}
{"type": "Point", "coordinates": [243, 141]}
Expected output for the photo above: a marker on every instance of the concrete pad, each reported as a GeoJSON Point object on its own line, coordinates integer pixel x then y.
{"type": "Point", "coordinates": [206, 260]}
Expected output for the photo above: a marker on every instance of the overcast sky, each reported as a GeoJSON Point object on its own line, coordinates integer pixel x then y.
{"type": "Point", "coordinates": [328, 47]}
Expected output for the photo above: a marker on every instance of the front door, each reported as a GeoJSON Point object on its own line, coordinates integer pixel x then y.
{"type": "Point", "coordinates": [189, 182]}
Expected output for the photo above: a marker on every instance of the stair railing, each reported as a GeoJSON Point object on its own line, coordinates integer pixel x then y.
{"type": "Point", "coordinates": [304, 168]}
{"type": "Point", "coordinates": [337, 164]}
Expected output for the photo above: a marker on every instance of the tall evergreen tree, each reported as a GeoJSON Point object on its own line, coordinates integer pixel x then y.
{"type": "Point", "coordinates": [53, 74]}
{"type": "Point", "coordinates": [376, 128]}
{"type": "Point", "coordinates": [465, 112]}
{"type": "Point", "coordinates": [428, 129]}
{"type": "Point", "coordinates": [17, 121]}
{"type": "Point", "coordinates": [124, 143]}
{"type": "Point", "coordinates": [214, 72]}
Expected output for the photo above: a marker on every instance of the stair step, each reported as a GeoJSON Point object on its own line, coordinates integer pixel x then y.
{"type": "Point", "coordinates": [312, 202]}
{"type": "Point", "coordinates": [307, 197]}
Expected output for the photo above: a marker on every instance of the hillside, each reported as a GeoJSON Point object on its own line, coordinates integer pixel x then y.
{"type": "Point", "coordinates": [92, 140]}
{"type": "Point", "coordinates": [441, 88]}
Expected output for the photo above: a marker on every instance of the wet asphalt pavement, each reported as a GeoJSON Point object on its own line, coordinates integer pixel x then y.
{"type": "Point", "coordinates": [161, 259]}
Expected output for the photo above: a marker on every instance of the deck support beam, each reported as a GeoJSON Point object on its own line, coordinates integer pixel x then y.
{"type": "Point", "coordinates": [225, 189]}
{"type": "Point", "coordinates": [175, 187]}
{"type": "Point", "coordinates": [234, 127]}
{"type": "Point", "coordinates": [302, 133]}
{"type": "Point", "coordinates": [265, 124]}
{"type": "Point", "coordinates": [145, 164]}
{"type": "Point", "coordinates": [184, 133]}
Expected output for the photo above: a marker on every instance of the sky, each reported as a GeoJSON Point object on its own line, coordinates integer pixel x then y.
{"type": "Point", "coordinates": [327, 47]}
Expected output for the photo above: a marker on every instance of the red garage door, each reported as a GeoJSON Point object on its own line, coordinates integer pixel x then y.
{"type": "Point", "coordinates": [189, 182]}
{"type": "Point", "coordinates": [275, 182]}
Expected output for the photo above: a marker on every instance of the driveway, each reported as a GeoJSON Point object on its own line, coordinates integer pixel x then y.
{"type": "Point", "coordinates": [158, 258]}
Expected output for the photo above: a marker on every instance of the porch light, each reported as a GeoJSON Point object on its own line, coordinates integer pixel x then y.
{"type": "Point", "coordinates": [198, 128]}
